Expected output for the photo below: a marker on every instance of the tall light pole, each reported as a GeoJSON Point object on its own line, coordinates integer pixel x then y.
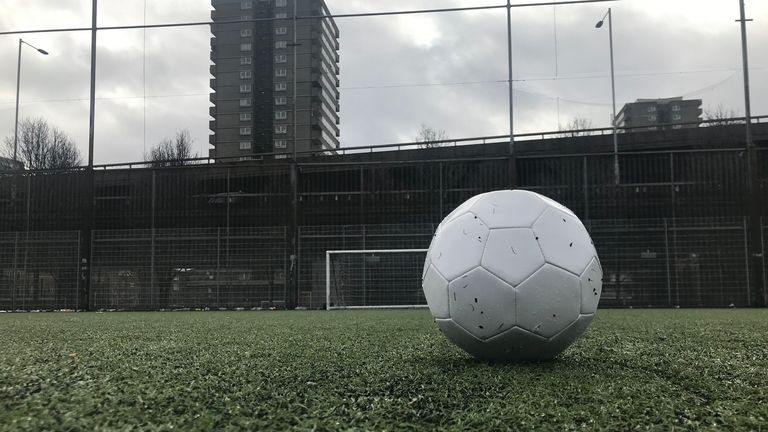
{"type": "Point", "coordinates": [613, 96]}
{"type": "Point", "coordinates": [18, 88]}
{"type": "Point", "coordinates": [512, 159]}
{"type": "Point", "coordinates": [745, 59]}
{"type": "Point", "coordinates": [295, 79]}
{"type": "Point", "coordinates": [755, 230]}
{"type": "Point", "coordinates": [293, 276]}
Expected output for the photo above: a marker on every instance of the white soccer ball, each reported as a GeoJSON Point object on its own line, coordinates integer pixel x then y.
{"type": "Point", "coordinates": [512, 275]}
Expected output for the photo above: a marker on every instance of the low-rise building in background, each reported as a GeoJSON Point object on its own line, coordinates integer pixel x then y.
{"type": "Point", "coordinates": [656, 114]}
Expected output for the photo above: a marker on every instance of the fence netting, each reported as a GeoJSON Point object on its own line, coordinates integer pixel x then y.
{"type": "Point", "coordinates": [691, 262]}
{"type": "Point", "coordinates": [39, 270]}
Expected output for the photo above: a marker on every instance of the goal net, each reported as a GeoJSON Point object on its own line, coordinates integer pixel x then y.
{"type": "Point", "coordinates": [359, 279]}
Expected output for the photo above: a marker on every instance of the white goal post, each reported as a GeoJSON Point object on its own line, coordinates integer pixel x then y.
{"type": "Point", "coordinates": [374, 279]}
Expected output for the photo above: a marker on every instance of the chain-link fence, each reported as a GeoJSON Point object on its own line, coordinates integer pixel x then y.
{"type": "Point", "coordinates": [39, 270]}
{"type": "Point", "coordinates": [316, 240]}
{"type": "Point", "coordinates": [692, 262]}
{"type": "Point", "coordinates": [763, 244]}
{"type": "Point", "coordinates": [680, 228]}
{"type": "Point", "coordinates": [189, 268]}
{"type": "Point", "coordinates": [673, 262]}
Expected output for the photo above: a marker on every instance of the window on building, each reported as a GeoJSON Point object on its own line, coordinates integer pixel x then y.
{"type": "Point", "coordinates": [652, 118]}
{"type": "Point", "coordinates": [246, 74]}
{"type": "Point", "coordinates": [245, 17]}
{"type": "Point", "coordinates": [281, 115]}
{"type": "Point", "coordinates": [281, 30]}
{"type": "Point", "coordinates": [245, 47]}
{"type": "Point", "coordinates": [281, 144]}
{"type": "Point", "coordinates": [281, 100]}
{"type": "Point", "coordinates": [651, 109]}
{"type": "Point", "coordinates": [281, 129]}
{"type": "Point", "coordinates": [281, 72]}
{"type": "Point", "coordinates": [245, 102]}
{"type": "Point", "coordinates": [675, 107]}
{"type": "Point", "coordinates": [245, 32]}
{"type": "Point", "coordinates": [246, 60]}
{"type": "Point", "coordinates": [281, 58]}
{"type": "Point", "coordinates": [281, 15]}
{"type": "Point", "coordinates": [281, 3]}
{"type": "Point", "coordinates": [245, 88]}
{"type": "Point", "coordinates": [245, 116]}
{"type": "Point", "coordinates": [281, 44]}
{"type": "Point", "coordinates": [676, 117]}
{"type": "Point", "coordinates": [245, 145]}
{"type": "Point", "coordinates": [246, 5]}
{"type": "Point", "coordinates": [245, 131]}
{"type": "Point", "coordinates": [281, 86]}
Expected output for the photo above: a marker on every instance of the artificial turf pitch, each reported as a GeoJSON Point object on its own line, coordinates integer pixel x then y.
{"type": "Point", "coordinates": [375, 370]}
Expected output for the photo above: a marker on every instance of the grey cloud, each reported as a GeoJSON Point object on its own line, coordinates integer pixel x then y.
{"type": "Point", "coordinates": [379, 52]}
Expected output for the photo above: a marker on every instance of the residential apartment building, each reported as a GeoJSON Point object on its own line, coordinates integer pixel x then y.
{"type": "Point", "coordinates": [264, 101]}
{"type": "Point", "coordinates": [656, 114]}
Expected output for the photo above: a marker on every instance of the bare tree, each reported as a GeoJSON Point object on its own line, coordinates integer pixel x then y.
{"type": "Point", "coordinates": [721, 116]}
{"type": "Point", "coordinates": [427, 136]}
{"type": "Point", "coordinates": [576, 127]}
{"type": "Point", "coordinates": [172, 151]}
{"type": "Point", "coordinates": [42, 146]}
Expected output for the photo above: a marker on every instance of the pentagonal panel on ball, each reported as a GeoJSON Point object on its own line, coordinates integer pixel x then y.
{"type": "Point", "coordinates": [509, 208]}
{"type": "Point", "coordinates": [549, 301]}
{"type": "Point", "coordinates": [482, 303]}
{"type": "Point", "coordinates": [591, 287]}
{"type": "Point", "coordinates": [460, 210]}
{"type": "Point", "coordinates": [518, 344]}
{"type": "Point", "coordinates": [458, 247]}
{"type": "Point", "coordinates": [512, 254]}
{"type": "Point", "coordinates": [436, 292]}
{"type": "Point", "coordinates": [564, 240]}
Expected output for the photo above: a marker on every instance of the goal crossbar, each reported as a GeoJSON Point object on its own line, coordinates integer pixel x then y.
{"type": "Point", "coordinates": [330, 253]}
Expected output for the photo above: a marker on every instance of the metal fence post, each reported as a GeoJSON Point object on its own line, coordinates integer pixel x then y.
{"type": "Point", "coordinates": [285, 265]}
{"type": "Point", "coordinates": [293, 293]}
{"type": "Point", "coordinates": [229, 199]}
{"type": "Point", "coordinates": [674, 259]}
{"type": "Point", "coordinates": [666, 251]}
{"type": "Point", "coordinates": [586, 187]}
{"type": "Point", "coordinates": [25, 285]}
{"type": "Point", "coordinates": [762, 255]}
{"type": "Point", "coordinates": [77, 265]}
{"type": "Point", "coordinates": [218, 264]}
{"type": "Point", "coordinates": [440, 174]}
{"type": "Point", "coordinates": [327, 280]}
{"type": "Point", "coordinates": [152, 243]}
{"type": "Point", "coordinates": [673, 192]}
{"type": "Point", "coordinates": [15, 264]}
{"type": "Point", "coordinates": [746, 261]}
{"type": "Point", "coordinates": [361, 216]}
{"type": "Point", "coordinates": [84, 295]}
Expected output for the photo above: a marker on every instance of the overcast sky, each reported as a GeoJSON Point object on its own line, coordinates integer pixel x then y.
{"type": "Point", "coordinates": [446, 70]}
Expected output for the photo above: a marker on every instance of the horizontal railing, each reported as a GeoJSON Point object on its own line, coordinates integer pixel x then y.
{"type": "Point", "coordinates": [344, 151]}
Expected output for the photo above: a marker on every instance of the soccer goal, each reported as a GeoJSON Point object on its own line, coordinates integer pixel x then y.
{"type": "Point", "coordinates": [374, 279]}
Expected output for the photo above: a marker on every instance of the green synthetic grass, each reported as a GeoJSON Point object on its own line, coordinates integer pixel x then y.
{"type": "Point", "coordinates": [375, 370]}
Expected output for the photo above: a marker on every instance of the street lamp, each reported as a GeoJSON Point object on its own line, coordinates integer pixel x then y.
{"type": "Point", "coordinates": [613, 95]}
{"type": "Point", "coordinates": [18, 87]}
